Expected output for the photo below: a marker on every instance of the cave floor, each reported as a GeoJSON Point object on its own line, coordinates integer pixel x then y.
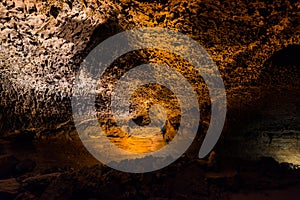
{"type": "Point", "coordinates": [63, 169]}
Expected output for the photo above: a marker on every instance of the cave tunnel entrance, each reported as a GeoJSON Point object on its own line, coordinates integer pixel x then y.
{"type": "Point", "coordinates": [282, 68]}
{"type": "Point", "coordinates": [271, 127]}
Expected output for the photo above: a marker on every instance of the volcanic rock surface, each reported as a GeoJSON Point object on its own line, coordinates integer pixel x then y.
{"type": "Point", "coordinates": [255, 45]}
{"type": "Point", "coordinates": [43, 43]}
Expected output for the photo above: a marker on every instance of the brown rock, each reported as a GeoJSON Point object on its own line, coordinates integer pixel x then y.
{"type": "Point", "coordinates": [7, 165]}
{"type": "Point", "coordinates": [25, 166]}
{"type": "Point", "coordinates": [10, 186]}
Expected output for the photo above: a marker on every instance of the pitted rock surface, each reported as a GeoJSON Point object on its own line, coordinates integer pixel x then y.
{"type": "Point", "coordinates": [42, 44]}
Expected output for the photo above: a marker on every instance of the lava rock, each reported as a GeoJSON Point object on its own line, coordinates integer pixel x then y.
{"type": "Point", "coordinates": [37, 184]}
{"type": "Point", "coordinates": [9, 188]}
{"type": "Point", "coordinates": [7, 165]}
{"type": "Point", "coordinates": [269, 166]}
{"type": "Point", "coordinates": [25, 166]}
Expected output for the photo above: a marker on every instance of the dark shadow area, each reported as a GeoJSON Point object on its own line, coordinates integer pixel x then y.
{"type": "Point", "coordinates": [268, 125]}
{"type": "Point", "coordinates": [282, 68]}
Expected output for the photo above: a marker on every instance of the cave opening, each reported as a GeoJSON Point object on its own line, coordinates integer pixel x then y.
{"type": "Point", "coordinates": [282, 69]}
{"type": "Point", "coordinates": [269, 125]}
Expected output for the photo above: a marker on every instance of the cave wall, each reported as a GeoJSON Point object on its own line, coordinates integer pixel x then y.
{"type": "Point", "coordinates": [43, 43]}
{"type": "Point", "coordinates": [269, 125]}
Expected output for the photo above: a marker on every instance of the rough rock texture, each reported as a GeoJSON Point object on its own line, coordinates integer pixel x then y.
{"type": "Point", "coordinates": [269, 124]}
{"type": "Point", "coordinates": [42, 44]}
{"type": "Point", "coordinates": [255, 45]}
{"type": "Point", "coordinates": [184, 179]}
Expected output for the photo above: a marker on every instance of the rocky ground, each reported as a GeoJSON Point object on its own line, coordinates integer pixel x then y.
{"type": "Point", "coordinates": [69, 172]}
{"type": "Point", "coordinates": [255, 45]}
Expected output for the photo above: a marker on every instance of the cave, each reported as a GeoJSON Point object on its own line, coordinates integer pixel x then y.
{"type": "Point", "coordinates": [267, 126]}
{"type": "Point", "coordinates": [51, 116]}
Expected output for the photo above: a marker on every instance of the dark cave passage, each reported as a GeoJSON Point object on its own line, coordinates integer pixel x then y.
{"type": "Point", "coordinates": [269, 125]}
{"type": "Point", "coordinates": [282, 68]}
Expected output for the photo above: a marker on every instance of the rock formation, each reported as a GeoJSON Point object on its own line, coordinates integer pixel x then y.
{"type": "Point", "coordinates": [44, 42]}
